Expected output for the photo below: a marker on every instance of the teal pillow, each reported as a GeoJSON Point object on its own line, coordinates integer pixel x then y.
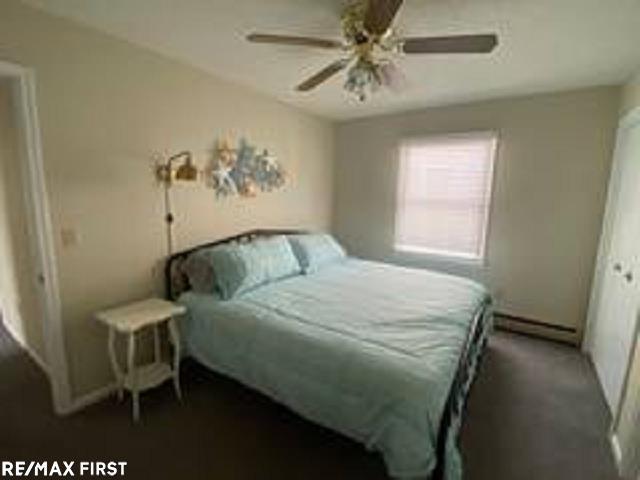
{"type": "Point", "coordinates": [277, 257]}
{"type": "Point", "coordinates": [243, 267]}
{"type": "Point", "coordinates": [199, 272]}
{"type": "Point", "coordinates": [314, 251]}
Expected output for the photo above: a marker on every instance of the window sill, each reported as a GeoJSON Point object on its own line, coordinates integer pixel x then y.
{"type": "Point", "coordinates": [439, 257]}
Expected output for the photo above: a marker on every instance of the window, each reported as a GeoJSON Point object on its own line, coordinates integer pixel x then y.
{"type": "Point", "coordinates": [444, 193]}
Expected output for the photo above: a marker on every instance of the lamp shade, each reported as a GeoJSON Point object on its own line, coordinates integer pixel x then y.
{"type": "Point", "coordinates": [187, 171]}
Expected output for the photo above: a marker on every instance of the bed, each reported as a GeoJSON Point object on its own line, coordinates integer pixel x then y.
{"type": "Point", "coordinates": [382, 354]}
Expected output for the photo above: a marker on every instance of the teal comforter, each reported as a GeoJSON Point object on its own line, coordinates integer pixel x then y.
{"type": "Point", "coordinates": [367, 349]}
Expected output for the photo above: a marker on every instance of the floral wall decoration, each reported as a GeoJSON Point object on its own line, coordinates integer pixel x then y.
{"type": "Point", "coordinates": [244, 171]}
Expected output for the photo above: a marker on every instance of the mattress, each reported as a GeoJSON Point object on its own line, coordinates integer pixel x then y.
{"type": "Point", "coordinates": [364, 348]}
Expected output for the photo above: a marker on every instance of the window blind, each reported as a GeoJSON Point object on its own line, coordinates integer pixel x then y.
{"type": "Point", "coordinates": [444, 193]}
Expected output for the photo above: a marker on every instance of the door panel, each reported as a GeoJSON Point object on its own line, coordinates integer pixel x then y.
{"type": "Point", "coordinates": [20, 297]}
{"type": "Point", "coordinates": [617, 306]}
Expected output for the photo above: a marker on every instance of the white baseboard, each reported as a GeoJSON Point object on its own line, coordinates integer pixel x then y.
{"type": "Point", "coordinates": [30, 351]}
{"type": "Point", "coordinates": [90, 398]}
{"type": "Point", "coordinates": [617, 452]}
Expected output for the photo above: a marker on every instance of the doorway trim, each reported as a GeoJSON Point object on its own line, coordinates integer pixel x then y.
{"type": "Point", "coordinates": [40, 228]}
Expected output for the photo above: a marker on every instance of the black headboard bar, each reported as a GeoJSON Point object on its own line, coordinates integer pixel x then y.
{"type": "Point", "coordinates": [170, 266]}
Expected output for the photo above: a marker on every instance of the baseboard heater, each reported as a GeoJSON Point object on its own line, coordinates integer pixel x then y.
{"type": "Point", "coordinates": [536, 328]}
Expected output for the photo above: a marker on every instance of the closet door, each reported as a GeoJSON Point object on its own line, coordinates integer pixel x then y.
{"type": "Point", "coordinates": [617, 306]}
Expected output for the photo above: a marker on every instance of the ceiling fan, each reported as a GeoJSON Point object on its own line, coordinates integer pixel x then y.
{"type": "Point", "coordinates": [370, 44]}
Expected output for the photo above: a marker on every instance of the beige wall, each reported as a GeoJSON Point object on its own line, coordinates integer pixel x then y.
{"type": "Point", "coordinates": [550, 182]}
{"type": "Point", "coordinates": [18, 300]}
{"type": "Point", "coordinates": [627, 428]}
{"type": "Point", "coordinates": [106, 107]}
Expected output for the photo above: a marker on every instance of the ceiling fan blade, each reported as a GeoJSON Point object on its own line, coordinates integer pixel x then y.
{"type": "Point", "coordinates": [322, 75]}
{"type": "Point", "coordinates": [294, 40]}
{"type": "Point", "coordinates": [380, 15]}
{"type": "Point", "coordinates": [454, 44]}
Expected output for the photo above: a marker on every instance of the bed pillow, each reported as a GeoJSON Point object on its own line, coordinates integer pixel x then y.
{"type": "Point", "coordinates": [277, 257]}
{"type": "Point", "coordinates": [243, 267]}
{"type": "Point", "coordinates": [199, 272]}
{"type": "Point", "coordinates": [315, 251]}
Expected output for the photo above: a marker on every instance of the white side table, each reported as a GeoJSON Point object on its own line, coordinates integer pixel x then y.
{"type": "Point", "coordinates": [129, 320]}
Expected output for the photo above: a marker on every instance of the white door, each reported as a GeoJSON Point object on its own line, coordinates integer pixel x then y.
{"type": "Point", "coordinates": [40, 232]}
{"type": "Point", "coordinates": [617, 306]}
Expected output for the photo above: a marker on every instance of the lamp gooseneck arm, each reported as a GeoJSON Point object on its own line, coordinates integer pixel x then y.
{"type": "Point", "coordinates": [186, 154]}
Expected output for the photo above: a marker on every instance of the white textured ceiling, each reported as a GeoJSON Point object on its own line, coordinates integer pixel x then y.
{"type": "Point", "coordinates": [545, 45]}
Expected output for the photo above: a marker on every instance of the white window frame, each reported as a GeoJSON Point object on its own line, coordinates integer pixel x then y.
{"type": "Point", "coordinates": [439, 254]}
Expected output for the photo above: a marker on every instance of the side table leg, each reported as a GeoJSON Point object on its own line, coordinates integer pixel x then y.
{"type": "Point", "coordinates": [156, 342]}
{"type": "Point", "coordinates": [111, 344]}
{"type": "Point", "coordinates": [133, 376]}
{"type": "Point", "coordinates": [173, 331]}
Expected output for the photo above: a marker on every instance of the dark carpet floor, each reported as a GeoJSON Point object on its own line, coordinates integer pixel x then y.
{"type": "Point", "coordinates": [535, 413]}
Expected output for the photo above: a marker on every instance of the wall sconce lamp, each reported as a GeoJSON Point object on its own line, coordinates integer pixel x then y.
{"type": "Point", "coordinates": [167, 173]}
{"type": "Point", "coordinates": [187, 171]}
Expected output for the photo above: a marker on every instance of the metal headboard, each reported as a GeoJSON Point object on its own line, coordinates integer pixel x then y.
{"type": "Point", "coordinates": [176, 282]}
